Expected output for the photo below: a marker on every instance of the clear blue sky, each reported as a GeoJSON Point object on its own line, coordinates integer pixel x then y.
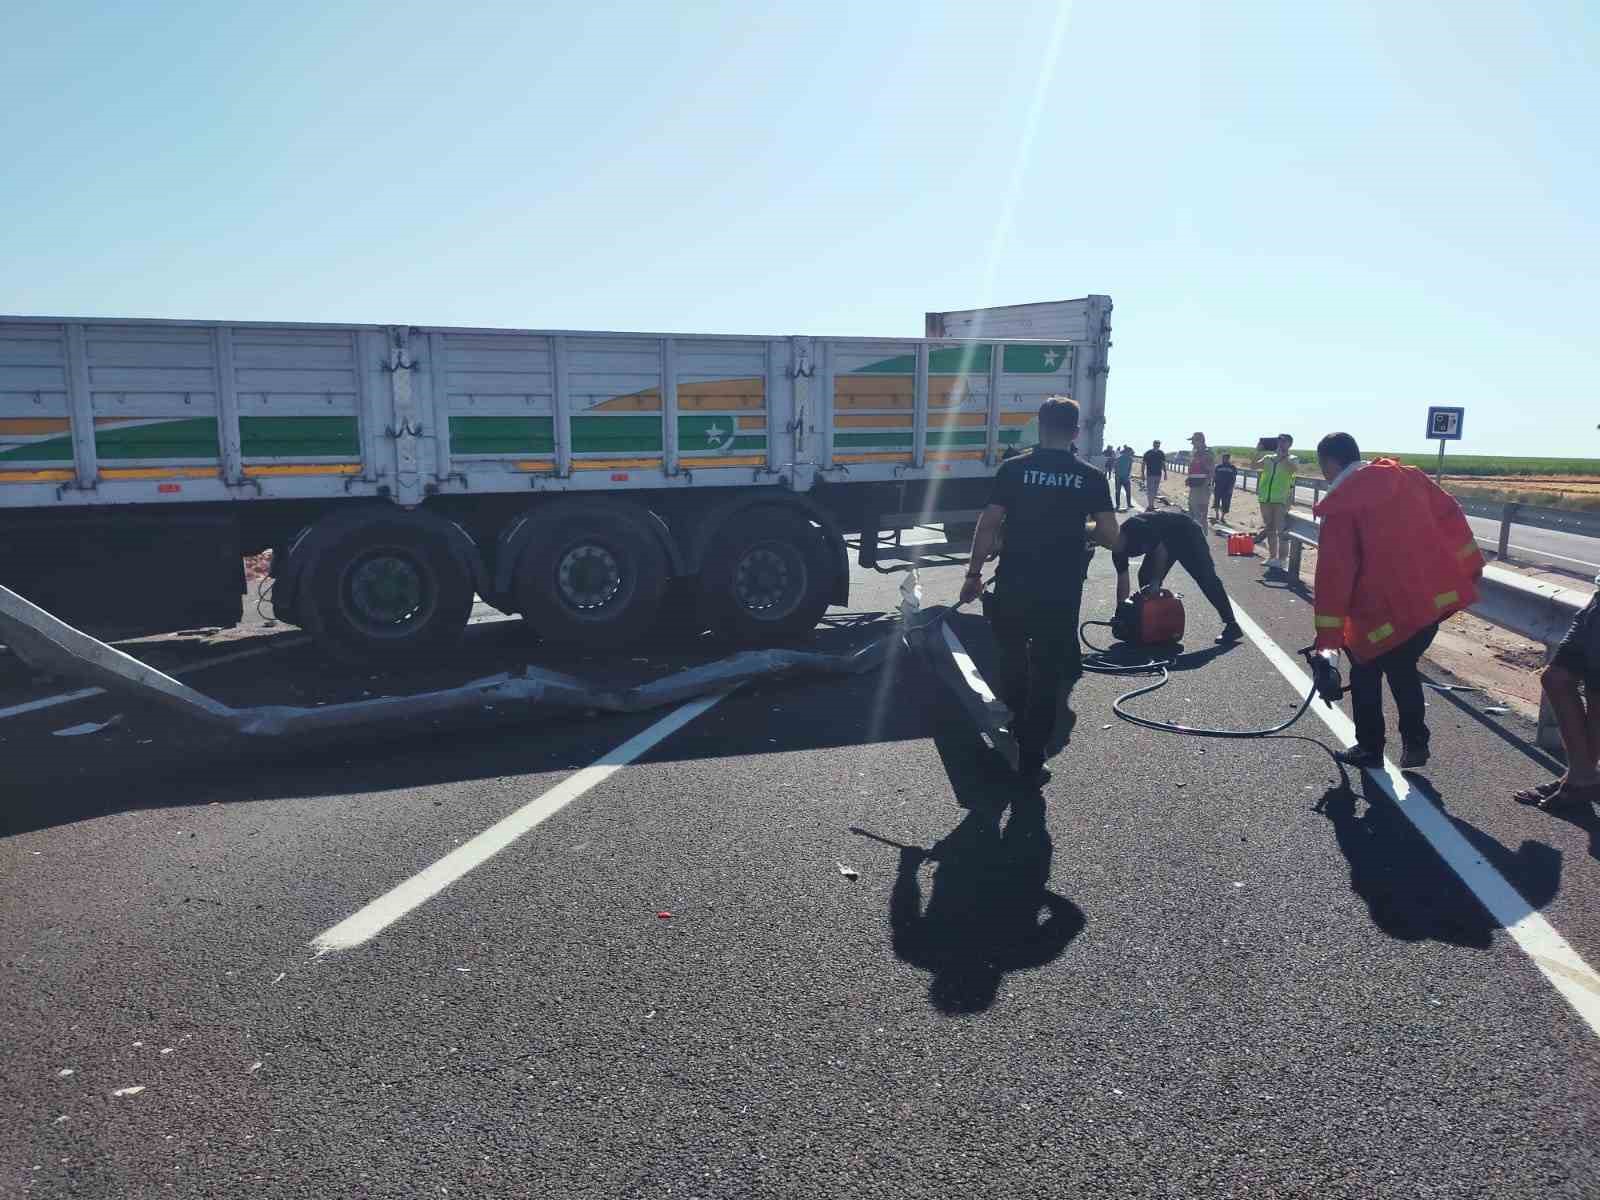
{"type": "Point", "coordinates": [1309, 216]}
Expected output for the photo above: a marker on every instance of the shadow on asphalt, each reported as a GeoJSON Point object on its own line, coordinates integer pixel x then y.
{"type": "Point", "coordinates": [1411, 895]}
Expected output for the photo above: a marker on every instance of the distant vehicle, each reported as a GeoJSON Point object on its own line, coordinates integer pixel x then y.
{"type": "Point", "coordinates": [398, 471]}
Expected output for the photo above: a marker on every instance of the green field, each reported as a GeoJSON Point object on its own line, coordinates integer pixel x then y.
{"type": "Point", "coordinates": [1456, 464]}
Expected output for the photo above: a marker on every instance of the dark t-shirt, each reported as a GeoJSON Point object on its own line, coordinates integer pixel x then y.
{"type": "Point", "coordinates": [1155, 461]}
{"type": "Point", "coordinates": [1143, 532]}
{"type": "Point", "coordinates": [1047, 495]}
{"type": "Point", "coordinates": [1225, 476]}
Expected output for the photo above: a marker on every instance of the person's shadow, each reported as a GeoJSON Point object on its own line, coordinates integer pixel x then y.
{"type": "Point", "coordinates": [1410, 893]}
{"type": "Point", "coordinates": [988, 911]}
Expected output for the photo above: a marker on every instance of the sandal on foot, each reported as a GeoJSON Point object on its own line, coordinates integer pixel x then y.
{"type": "Point", "coordinates": [1571, 797]}
{"type": "Point", "coordinates": [1535, 795]}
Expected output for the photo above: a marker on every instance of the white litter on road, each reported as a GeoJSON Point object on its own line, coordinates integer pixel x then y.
{"type": "Point", "coordinates": [86, 727]}
{"type": "Point", "coordinates": [429, 882]}
{"type": "Point", "coordinates": [128, 1091]}
{"type": "Point", "coordinates": [1566, 970]}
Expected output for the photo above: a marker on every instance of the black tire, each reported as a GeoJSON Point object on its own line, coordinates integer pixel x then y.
{"type": "Point", "coordinates": [388, 589]}
{"type": "Point", "coordinates": [766, 577]}
{"type": "Point", "coordinates": [590, 575]}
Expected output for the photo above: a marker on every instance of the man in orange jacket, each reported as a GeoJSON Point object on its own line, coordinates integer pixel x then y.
{"type": "Point", "coordinates": [1395, 557]}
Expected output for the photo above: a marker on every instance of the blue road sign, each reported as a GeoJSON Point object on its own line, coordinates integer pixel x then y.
{"type": "Point", "coordinates": [1444, 424]}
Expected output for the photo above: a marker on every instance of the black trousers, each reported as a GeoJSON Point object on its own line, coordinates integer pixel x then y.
{"type": "Point", "coordinates": [1223, 499]}
{"type": "Point", "coordinates": [1399, 666]}
{"type": "Point", "coordinates": [1037, 637]}
{"type": "Point", "coordinates": [1124, 488]}
{"type": "Point", "coordinates": [1192, 552]}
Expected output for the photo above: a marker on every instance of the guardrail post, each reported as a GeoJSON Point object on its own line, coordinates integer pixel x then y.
{"type": "Point", "coordinates": [1508, 515]}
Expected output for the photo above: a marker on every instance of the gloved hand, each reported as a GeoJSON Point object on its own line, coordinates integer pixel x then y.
{"type": "Point", "coordinates": [1325, 674]}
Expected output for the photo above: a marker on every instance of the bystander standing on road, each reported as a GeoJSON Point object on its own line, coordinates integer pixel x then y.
{"type": "Point", "coordinates": [1109, 457]}
{"type": "Point", "coordinates": [1222, 481]}
{"type": "Point", "coordinates": [1155, 470]}
{"type": "Point", "coordinates": [1124, 476]}
{"type": "Point", "coordinates": [1576, 663]}
{"type": "Point", "coordinates": [1275, 490]}
{"type": "Point", "coordinates": [1201, 464]}
{"type": "Point", "coordinates": [1395, 557]}
{"type": "Point", "coordinates": [1046, 499]}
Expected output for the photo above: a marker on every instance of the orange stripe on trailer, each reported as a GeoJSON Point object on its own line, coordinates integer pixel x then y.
{"type": "Point", "coordinates": [303, 469]}
{"type": "Point", "coordinates": [538, 466]}
{"type": "Point", "coordinates": [614, 464]}
{"type": "Point", "coordinates": [158, 473]}
{"type": "Point", "coordinates": [955, 455]}
{"type": "Point", "coordinates": [751, 422]}
{"type": "Point", "coordinates": [735, 460]}
{"type": "Point", "coordinates": [34, 425]}
{"type": "Point", "coordinates": [50, 475]}
{"type": "Point", "coordinates": [873, 421]}
{"type": "Point", "coordinates": [877, 457]}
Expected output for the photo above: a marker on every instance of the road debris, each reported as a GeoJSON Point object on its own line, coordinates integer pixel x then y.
{"type": "Point", "coordinates": [86, 727]}
{"type": "Point", "coordinates": [129, 1091]}
{"type": "Point", "coordinates": [849, 873]}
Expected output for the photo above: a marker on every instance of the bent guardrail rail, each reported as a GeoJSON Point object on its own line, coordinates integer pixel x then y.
{"type": "Point", "coordinates": [51, 644]}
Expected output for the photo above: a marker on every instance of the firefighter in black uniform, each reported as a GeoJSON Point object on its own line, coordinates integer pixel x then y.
{"type": "Point", "coordinates": [1164, 538]}
{"type": "Point", "coordinates": [1045, 498]}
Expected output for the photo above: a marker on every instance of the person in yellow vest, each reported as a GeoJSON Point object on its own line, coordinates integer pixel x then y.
{"type": "Point", "coordinates": [1275, 490]}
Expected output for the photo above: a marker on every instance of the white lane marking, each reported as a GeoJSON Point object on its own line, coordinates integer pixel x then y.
{"type": "Point", "coordinates": [1575, 979]}
{"type": "Point", "coordinates": [19, 710]}
{"type": "Point", "coordinates": [430, 881]}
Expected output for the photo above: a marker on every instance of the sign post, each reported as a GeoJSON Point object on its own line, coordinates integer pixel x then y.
{"type": "Point", "coordinates": [1445, 425]}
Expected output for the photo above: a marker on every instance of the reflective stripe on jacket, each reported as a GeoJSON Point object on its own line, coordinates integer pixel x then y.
{"type": "Point", "coordinates": [1394, 555]}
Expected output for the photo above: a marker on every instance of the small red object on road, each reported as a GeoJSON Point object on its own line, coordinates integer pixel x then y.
{"type": "Point", "coordinates": [663, 915]}
{"type": "Point", "coordinates": [1241, 545]}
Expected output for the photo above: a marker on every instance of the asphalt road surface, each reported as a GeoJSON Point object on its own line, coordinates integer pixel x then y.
{"type": "Point", "coordinates": [805, 940]}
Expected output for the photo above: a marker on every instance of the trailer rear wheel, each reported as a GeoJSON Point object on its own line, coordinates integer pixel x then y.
{"type": "Point", "coordinates": [590, 575]}
{"type": "Point", "coordinates": [389, 588]}
{"type": "Point", "coordinates": [766, 577]}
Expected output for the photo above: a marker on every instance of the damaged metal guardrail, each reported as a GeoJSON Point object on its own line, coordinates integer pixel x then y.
{"type": "Point", "coordinates": [51, 644]}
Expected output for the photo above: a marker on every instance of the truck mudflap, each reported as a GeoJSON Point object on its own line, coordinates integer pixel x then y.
{"type": "Point", "coordinates": [53, 645]}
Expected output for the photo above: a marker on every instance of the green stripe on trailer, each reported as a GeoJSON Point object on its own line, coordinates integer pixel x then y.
{"type": "Point", "coordinates": [47, 450]}
{"type": "Point", "coordinates": [960, 360]}
{"type": "Point", "coordinates": [186, 437]}
{"type": "Point", "coordinates": [502, 435]}
{"type": "Point", "coordinates": [299, 437]}
{"type": "Point", "coordinates": [602, 435]}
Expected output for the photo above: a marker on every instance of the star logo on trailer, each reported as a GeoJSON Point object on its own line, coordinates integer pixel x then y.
{"type": "Point", "coordinates": [1051, 357]}
{"type": "Point", "coordinates": [714, 434]}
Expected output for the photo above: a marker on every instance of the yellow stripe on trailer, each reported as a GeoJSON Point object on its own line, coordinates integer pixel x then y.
{"type": "Point", "coordinates": [538, 466]}
{"type": "Point", "coordinates": [734, 460]}
{"type": "Point", "coordinates": [303, 469]}
{"type": "Point", "coordinates": [48, 475]}
{"type": "Point", "coordinates": [158, 473]}
{"type": "Point", "coordinates": [614, 464]}
{"type": "Point", "coordinates": [880, 456]}
{"type": "Point", "coordinates": [955, 455]}
{"type": "Point", "coordinates": [33, 426]}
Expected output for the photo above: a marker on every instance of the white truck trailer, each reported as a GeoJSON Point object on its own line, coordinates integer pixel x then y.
{"type": "Point", "coordinates": [397, 471]}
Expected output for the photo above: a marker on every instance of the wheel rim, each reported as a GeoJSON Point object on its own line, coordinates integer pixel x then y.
{"type": "Point", "coordinates": [386, 592]}
{"type": "Point", "coordinates": [769, 580]}
{"type": "Point", "coordinates": [589, 577]}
